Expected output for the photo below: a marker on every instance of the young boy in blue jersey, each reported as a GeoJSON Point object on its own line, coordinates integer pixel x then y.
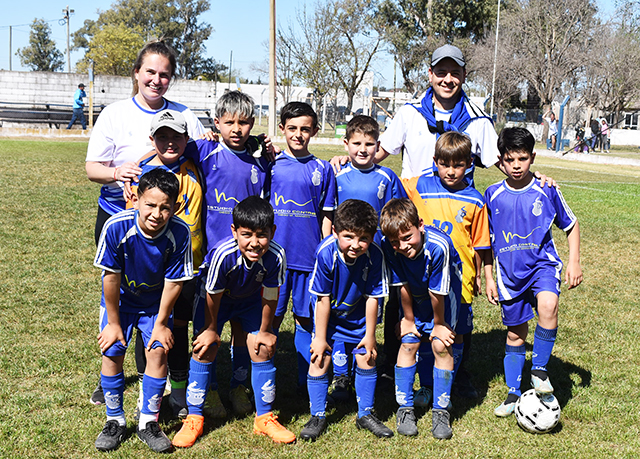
{"type": "Point", "coordinates": [425, 264]}
{"type": "Point", "coordinates": [528, 268]}
{"type": "Point", "coordinates": [244, 273]}
{"type": "Point", "coordinates": [348, 278]}
{"type": "Point", "coordinates": [303, 195]}
{"type": "Point", "coordinates": [169, 137]}
{"type": "Point", "coordinates": [145, 254]}
{"type": "Point", "coordinates": [362, 179]}
{"type": "Point", "coordinates": [231, 173]}
{"type": "Point", "coordinates": [448, 202]}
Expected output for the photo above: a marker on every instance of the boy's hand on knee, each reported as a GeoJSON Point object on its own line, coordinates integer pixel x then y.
{"type": "Point", "coordinates": [407, 327]}
{"type": "Point", "coordinates": [204, 342]}
{"type": "Point", "coordinates": [109, 336]}
{"type": "Point", "coordinates": [369, 344]}
{"type": "Point", "coordinates": [268, 340]}
{"type": "Point", "coordinates": [162, 334]}
{"type": "Point", "coordinates": [444, 334]}
{"type": "Point", "coordinates": [319, 348]}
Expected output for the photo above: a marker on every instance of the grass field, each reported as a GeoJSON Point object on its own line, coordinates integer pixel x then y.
{"type": "Point", "coordinates": [49, 359]}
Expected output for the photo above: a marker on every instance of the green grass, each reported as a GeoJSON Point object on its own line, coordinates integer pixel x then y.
{"type": "Point", "coordinates": [49, 359]}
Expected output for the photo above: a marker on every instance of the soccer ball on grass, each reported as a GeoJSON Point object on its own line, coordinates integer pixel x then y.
{"type": "Point", "coordinates": [537, 413]}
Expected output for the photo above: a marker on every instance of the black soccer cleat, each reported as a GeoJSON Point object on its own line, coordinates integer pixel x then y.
{"type": "Point", "coordinates": [313, 428]}
{"type": "Point", "coordinates": [441, 429]}
{"type": "Point", "coordinates": [374, 425]}
{"type": "Point", "coordinates": [112, 435]}
{"type": "Point", "coordinates": [155, 438]}
{"type": "Point", "coordinates": [406, 423]}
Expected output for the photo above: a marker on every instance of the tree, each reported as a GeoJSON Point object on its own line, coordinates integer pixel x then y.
{"type": "Point", "coordinates": [175, 21]}
{"type": "Point", "coordinates": [41, 55]}
{"type": "Point", "coordinates": [113, 50]}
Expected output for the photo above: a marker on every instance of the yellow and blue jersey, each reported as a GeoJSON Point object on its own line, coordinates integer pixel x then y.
{"type": "Point", "coordinates": [461, 214]}
{"type": "Point", "coordinates": [189, 200]}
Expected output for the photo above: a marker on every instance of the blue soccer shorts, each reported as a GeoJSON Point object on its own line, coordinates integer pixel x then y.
{"type": "Point", "coordinates": [128, 321]}
{"type": "Point", "coordinates": [465, 319]}
{"type": "Point", "coordinates": [521, 309]}
{"type": "Point", "coordinates": [296, 287]}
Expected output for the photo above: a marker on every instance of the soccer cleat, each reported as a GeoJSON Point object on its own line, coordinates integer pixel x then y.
{"type": "Point", "coordinates": [406, 423]}
{"type": "Point", "coordinates": [155, 438]}
{"type": "Point", "coordinates": [542, 386]}
{"type": "Point", "coordinates": [240, 401]}
{"type": "Point", "coordinates": [313, 428]}
{"type": "Point", "coordinates": [97, 397]}
{"type": "Point", "coordinates": [423, 397]}
{"type": "Point", "coordinates": [268, 425]}
{"type": "Point", "coordinates": [463, 387]}
{"type": "Point", "coordinates": [374, 425]}
{"type": "Point", "coordinates": [178, 407]}
{"type": "Point", "coordinates": [505, 409]}
{"type": "Point", "coordinates": [441, 429]}
{"type": "Point", "coordinates": [192, 428]}
{"type": "Point", "coordinates": [111, 436]}
{"type": "Point", "coordinates": [340, 389]}
{"type": "Point", "coordinates": [213, 406]}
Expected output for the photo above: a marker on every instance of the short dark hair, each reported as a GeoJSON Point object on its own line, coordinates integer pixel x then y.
{"type": "Point", "coordinates": [515, 139]}
{"type": "Point", "coordinates": [363, 124]}
{"type": "Point", "coordinates": [357, 216]}
{"type": "Point", "coordinates": [296, 109]}
{"type": "Point", "coordinates": [253, 213]}
{"type": "Point", "coordinates": [153, 47]}
{"type": "Point", "coordinates": [398, 215]}
{"type": "Point", "coordinates": [162, 179]}
{"type": "Point", "coordinates": [453, 146]}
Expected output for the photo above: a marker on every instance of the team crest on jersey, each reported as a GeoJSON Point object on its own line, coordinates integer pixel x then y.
{"type": "Point", "coordinates": [339, 359]}
{"type": "Point", "coordinates": [195, 395]}
{"type": "Point", "coordinates": [381, 188]}
{"type": "Point", "coordinates": [268, 392]}
{"type": "Point", "coordinates": [461, 214]}
{"type": "Point", "coordinates": [214, 168]}
{"type": "Point", "coordinates": [260, 277]}
{"type": "Point", "coordinates": [112, 400]}
{"type": "Point", "coordinates": [154, 403]}
{"type": "Point", "coordinates": [365, 273]}
{"type": "Point", "coordinates": [316, 177]}
{"type": "Point", "coordinates": [254, 175]}
{"type": "Point", "coordinates": [537, 207]}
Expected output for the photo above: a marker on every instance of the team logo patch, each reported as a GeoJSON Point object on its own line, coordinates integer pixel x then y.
{"type": "Point", "coordinates": [112, 400]}
{"type": "Point", "coordinates": [268, 390]}
{"type": "Point", "coordinates": [260, 277]}
{"type": "Point", "coordinates": [254, 175]}
{"type": "Point", "coordinates": [461, 214]}
{"type": "Point", "coordinates": [195, 395]}
{"type": "Point", "coordinates": [154, 403]}
{"type": "Point", "coordinates": [443, 400]}
{"type": "Point", "coordinates": [381, 188]}
{"type": "Point", "coordinates": [339, 359]}
{"type": "Point", "coordinates": [241, 373]}
{"type": "Point", "coordinates": [537, 207]}
{"type": "Point", "coordinates": [401, 397]}
{"type": "Point", "coordinates": [316, 177]}
{"type": "Point", "coordinates": [365, 273]}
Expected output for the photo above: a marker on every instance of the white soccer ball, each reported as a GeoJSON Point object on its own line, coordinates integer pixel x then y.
{"type": "Point", "coordinates": [537, 413]}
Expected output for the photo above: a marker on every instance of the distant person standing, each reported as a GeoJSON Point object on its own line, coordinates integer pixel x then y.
{"type": "Point", "coordinates": [595, 133]}
{"type": "Point", "coordinates": [604, 134]}
{"type": "Point", "coordinates": [78, 107]}
{"type": "Point", "coordinates": [553, 127]}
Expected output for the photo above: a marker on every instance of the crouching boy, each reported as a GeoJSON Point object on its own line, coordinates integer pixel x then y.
{"type": "Point", "coordinates": [425, 264]}
{"type": "Point", "coordinates": [145, 255]}
{"type": "Point", "coordinates": [348, 278]}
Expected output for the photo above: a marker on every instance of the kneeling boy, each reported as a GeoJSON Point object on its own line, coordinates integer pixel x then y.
{"type": "Point", "coordinates": [145, 255]}
{"type": "Point", "coordinates": [245, 272]}
{"type": "Point", "coordinates": [427, 267]}
{"type": "Point", "coordinates": [348, 278]}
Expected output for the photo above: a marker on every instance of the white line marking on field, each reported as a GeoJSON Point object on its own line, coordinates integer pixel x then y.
{"type": "Point", "coordinates": [566, 184]}
{"type": "Point", "coordinates": [588, 171]}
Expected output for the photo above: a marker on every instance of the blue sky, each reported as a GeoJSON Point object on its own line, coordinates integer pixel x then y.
{"type": "Point", "coordinates": [242, 35]}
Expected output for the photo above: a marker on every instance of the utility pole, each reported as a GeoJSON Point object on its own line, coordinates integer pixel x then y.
{"type": "Point", "coordinates": [67, 13]}
{"type": "Point", "coordinates": [272, 70]}
{"type": "Point", "coordinates": [10, 44]}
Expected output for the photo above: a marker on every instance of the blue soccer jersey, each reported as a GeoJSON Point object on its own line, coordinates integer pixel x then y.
{"type": "Point", "coordinates": [349, 285]}
{"type": "Point", "coordinates": [231, 273]}
{"type": "Point", "coordinates": [144, 263]}
{"type": "Point", "coordinates": [301, 188]}
{"type": "Point", "coordinates": [229, 177]}
{"type": "Point", "coordinates": [520, 223]}
{"type": "Point", "coordinates": [436, 269]}
{"type": "Point", "coordinates": [376, 186]}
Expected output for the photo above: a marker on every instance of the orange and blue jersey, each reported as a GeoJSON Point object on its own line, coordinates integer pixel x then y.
{"type": "Point", "coordinates": [462, 214]}
{"type": "Point", "coordinates": [189, 200]}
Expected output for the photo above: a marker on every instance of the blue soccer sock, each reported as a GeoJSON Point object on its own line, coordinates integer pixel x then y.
{"type": "Point", "coordinates": [404, 385]}
{"type": "Point", "coordinates": [543, 341]}
{"type": "Point", "coordinates": [302, 341]}
{"type": "Point", "coordinates": [318, 386]}
{"type": "Point", "coordinates": [339, 359]}
{"type": "Point", "coordinates": [458, 350]}
{"type": "Point", "coordinates": [263, 382]}
{"type": "Point", "coordinates": [198, 383]}
{"type": "Point", "coordinates": [425, 364]}
{"type": "Point", "coordinates": [365, 389]}
{"type": "Point", "coordinates": [241, 365]}
{"type": "Point", "coordinates": [442, 381]}
{"type": "Point", "coordinates": [152, 390]}
{"type": "Point", "coordinates": [513, 365]}
{"type": "Point", "coordinates": [113, 388]}
{"type": "Point", "coordinates": [213, 375]}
